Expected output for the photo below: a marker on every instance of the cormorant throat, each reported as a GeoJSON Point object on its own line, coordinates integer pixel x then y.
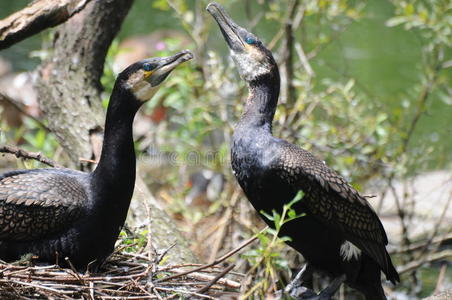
{"type": "Point", "coordinates": [117, 165]}
{"type": "Point", "coordinates": [261, 104]}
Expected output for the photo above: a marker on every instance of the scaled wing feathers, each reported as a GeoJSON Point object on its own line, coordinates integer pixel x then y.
{"type": "Point", "coordinates": [31, 204]}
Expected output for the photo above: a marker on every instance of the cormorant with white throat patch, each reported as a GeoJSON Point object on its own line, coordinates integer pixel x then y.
{"type": "Point", "coordinates": [58, 213]}
{"type": "Point", "coordinates": [340, 234]}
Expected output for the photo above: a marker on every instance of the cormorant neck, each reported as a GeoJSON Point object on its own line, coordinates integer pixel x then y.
{"type": "Point", "coordinates": [261, 104]}
{"type": "Point", "coordinates": [116, 168]}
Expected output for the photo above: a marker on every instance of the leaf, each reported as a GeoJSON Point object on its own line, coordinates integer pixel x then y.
{"type": "Point", "coordinates": [266, 215]}
{"type": "Point", "coordinates": [395, 21]}
{"type": "Point", "coordinates": [409, 9]}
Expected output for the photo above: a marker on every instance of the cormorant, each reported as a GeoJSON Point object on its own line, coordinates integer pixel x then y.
{"type": "Point", "coordinates": [58, 213]}
{"type": "Point", "coordinates": [340, 234]}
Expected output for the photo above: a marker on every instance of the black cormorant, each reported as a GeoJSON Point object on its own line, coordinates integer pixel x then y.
{"type": "Point", "coordinates": [59, 213]}
{"type": "Point", "coordinates": [340, 233]}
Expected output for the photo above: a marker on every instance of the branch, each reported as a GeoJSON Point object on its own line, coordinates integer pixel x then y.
{"type": "Point", "coordinates": [216, 262]}
{"type": "Point", "coordinates": [20, 153]}
{"type": "Point", "coordinates": [287, 72]}
{"type": "Point", "coordinates": [20, 107]}
{"type": "Point", "coordinates": [35, 17]}
{"type": "Point", "coordinates": [413, 265]}
{"type": "Point", "coordinates": [215, 279]}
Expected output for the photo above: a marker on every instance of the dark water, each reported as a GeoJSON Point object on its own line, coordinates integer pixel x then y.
{"type": "Point", "coordinates": [385, 61]}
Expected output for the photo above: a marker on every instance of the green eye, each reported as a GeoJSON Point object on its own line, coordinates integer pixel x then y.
{"type": "Point", "coordinates": [148, 67]}
{"type": "Point", "coordinates": [250, 40]}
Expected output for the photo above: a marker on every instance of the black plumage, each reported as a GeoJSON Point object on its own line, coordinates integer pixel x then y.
{"type": "Point", "coordinates": [59, 213]}
{"type": "Point", "coordinates": [340, 232]}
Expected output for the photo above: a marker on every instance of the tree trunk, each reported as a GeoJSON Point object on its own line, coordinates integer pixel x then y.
{"type": "Point", "coordinates": [69, 83]}
{"type": "Point", "coordinates": [69, 93]}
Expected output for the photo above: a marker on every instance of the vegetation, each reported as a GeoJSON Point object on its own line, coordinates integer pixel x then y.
{"type": "Point", "coordinates": [365, 86]}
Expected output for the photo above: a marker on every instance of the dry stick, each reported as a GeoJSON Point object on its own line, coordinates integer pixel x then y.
{"type": "Point", "coordinates": [76, 274]}
{"type": "Point", "coordinates": [418, 245]}
{"type": "Point", "coordinates": [213, 281]}
{"type": "Point", "coordinates": [217, 261]}
{"type": "Point", "coordinates": [183, 292]}
{"type": "Point", "coordinates": [304, 60]}
{"type": "Point", "coordinates": [436, 227]}
{"type": "Point", "coordinates": [286, 49]}
{"type": "Point", "coordinates": [14, 289]}
{"type": "Point", "coordinates": [202, 276]}
{"type": "Point", "coordinates": [401, 213]}
{"type": "Point", "coordinates": [223, 229]}
{"type": "Point", "coordinates": [91, 289]}
{"type": "Point", "coordinates": [154, 290]}
{"type": "Point", "coordinates": [406, 241]}
{"type": "Point", "coordinates": [161, 256]}
{"type": "Point", "coordinates": [440, 280]}
{"type": "Point", "coordinates": [136, 283]}
{"type": "Point", "coordinates": [416, 264]}
{"type": "Point", "coordinates": [36, 286]}
{"type": "Point", "coordinates": [149, 245]}
{"type": "Point", "coordinates": [20, 107]}
{"type": "Point", "coordinates": [20, 153]}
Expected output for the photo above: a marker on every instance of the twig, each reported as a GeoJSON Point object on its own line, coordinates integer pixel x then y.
{"type": "Point", "coordinates": [20, 107]}
{"type": "Point", "coordinates": [436, 227]}
{"type": "Point", "coordinates": [161, 256]}
{"type": "Point", "coordinates": [213, 281]}
{"type": "Point", "coordinates": [432, 257]}
{"type": "Point", "coordinates": [419, 245]}
{"type": "Point", "coordinates": [304, 60]}
{"type": "Point", "coordinates": [287, 72]}
{"type": "Point", "coordinates": [440, 280]}
{"type": "Point", "coordinates": [20, 153]}
{"type": "Point", "coordinates": [217, 261]}
{"type": "Point", "coordinates": [223, 230]}
{"type": "Point", "coordinates": [183, 292]}
{"type": "Point", "coordinates": [86, 160]}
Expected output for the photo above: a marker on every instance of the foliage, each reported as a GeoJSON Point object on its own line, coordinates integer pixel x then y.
{"type": "Point", "coordinates": [267, 263]}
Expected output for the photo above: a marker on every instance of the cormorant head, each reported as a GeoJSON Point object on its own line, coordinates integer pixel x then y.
{"type": "Point", "coordinates": [143, 78]}
{"type": "Point", "coordinates": [251, 57]}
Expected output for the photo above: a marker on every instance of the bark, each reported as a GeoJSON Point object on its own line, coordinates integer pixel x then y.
{"type": "Point", "coordinates": [69, 91]}
{"type": "Point", "coordinates": [36, 17]}
{"type": "Point", "coordinates": [69, 83]}
{"type": "Point", "coordinates": [145, 211]}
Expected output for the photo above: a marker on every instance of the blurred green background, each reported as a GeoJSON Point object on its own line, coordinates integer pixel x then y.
{"type": "Point", "coordinates": [385, 61]}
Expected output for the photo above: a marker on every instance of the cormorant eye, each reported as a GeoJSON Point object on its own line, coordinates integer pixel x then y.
{"type": "Point", "coordinates": [250, 40]}
{"type": "Point", "coordinates": [148, 67]}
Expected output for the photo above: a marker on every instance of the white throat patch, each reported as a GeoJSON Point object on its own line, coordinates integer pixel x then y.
{"type": "Point", "coordinates": [349, 251]}
{"type": "Point", "coordinates": [144, 91]}
{"type": "Point", "coordinates": [250, 65]}
{"type": "Point", "coordinates": [140, 87]}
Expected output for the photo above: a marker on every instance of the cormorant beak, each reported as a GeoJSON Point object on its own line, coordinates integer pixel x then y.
{"type": "Point", "coordinates": [165, 66]}
{"type": "Point", "coordinates": [228, 27]}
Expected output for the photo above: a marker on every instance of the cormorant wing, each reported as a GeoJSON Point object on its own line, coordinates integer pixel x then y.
{"type": "Point", "coordinates": [37, 203]}
{"type": "Point", "coordinates": [332, 200]}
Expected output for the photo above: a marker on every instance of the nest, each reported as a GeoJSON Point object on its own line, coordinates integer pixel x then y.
{"type": "Point", "coordinates": [124, 276]}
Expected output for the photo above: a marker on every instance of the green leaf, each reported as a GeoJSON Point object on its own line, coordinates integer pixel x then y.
{"type": "Point", "coordinates": [395, 21]}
